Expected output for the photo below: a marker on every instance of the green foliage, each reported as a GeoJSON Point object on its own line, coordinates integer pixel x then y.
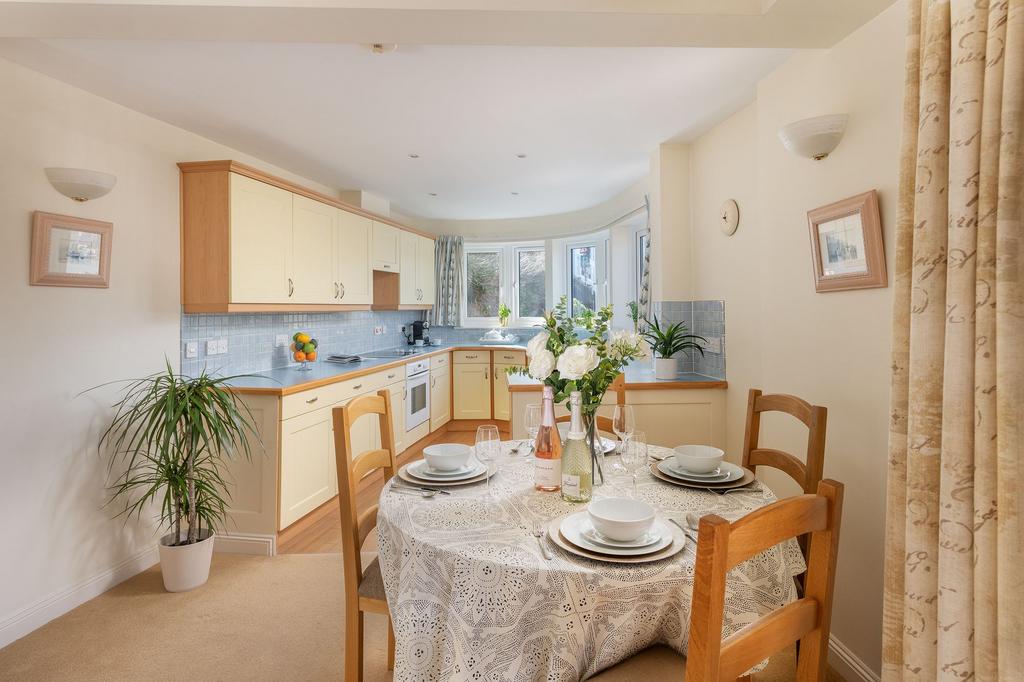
{"type": "Point", "coordinates": [670, 340]}
{"type": "Point", "coordinates": [634, 314]}
{"type": "Point", "coordinates": [171, 433]}
{"type": "Point", "coordinates": [504, 312]}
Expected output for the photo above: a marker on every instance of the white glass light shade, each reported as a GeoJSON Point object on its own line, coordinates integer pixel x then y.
{"type": "Point", "coordinates": [80, 184]}
{"type": "Point", "coordinates": [814, 138]}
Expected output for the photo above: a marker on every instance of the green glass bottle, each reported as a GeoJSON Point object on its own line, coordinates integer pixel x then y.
{"type": "Point", "coordinates": [577, 481]}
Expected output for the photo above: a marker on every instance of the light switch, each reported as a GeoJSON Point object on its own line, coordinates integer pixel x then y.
{"type": "Point", "coordinates": [714, 344]}
{"type": "Point", "coordinates": [281, 341]}
{"type": "Point", "coordinates": [222, 346]}
{"type": "Point", "coordinates": [191, 349]}
{"type": "Point", "coordinates": [211, 347]}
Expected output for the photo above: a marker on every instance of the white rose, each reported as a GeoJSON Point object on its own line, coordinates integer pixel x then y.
{"type": "Point", "coordinates": [542, 363]}
{"type": "Point", "coordinates": [537, 343]}
{"type": "Point", "coordinates": [575, 361]}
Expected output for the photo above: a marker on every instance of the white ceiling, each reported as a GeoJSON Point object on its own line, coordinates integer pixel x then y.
{"type": "Point", "coordinates": [587, 118]}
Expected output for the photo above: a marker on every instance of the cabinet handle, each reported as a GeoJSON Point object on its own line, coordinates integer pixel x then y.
{"type": "Point", "coordinates": [387, 267]}
{"type": "Point", "coordinates": [471, 357]}
{"type": "Point", "coordinates": [357, 387]}
{"type": "Point", "coordinates": [485, 374]}
{"type": "Point", "coordinates": [335, 290]}
{"type": "Point", "coordinates": [312, 400]}
{"type": "Point", "coordinates": [433, 382]}
{"type": "Point", "coordinates": [291, 287]}
{"type": "Point", "coordinates": [342, 290]}
{"type": "Point", "coordinates": [391, 376]}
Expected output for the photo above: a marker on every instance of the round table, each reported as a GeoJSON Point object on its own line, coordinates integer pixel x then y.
{"type": "Point", "coordinates": [472, 597]}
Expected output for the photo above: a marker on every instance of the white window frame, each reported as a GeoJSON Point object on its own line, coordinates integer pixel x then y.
{"type": "Point", "coordinates": [600, 243]}
{"type": "Point", "coordinates": [508, 278]}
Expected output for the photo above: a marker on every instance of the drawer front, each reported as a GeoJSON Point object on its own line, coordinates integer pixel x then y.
{"type": "Point", "coordinates": [300, 403]}
{"type": "Point", "coordinates": [441, 360]}
{"type": "Point", "coordinates": [472, 357]}
{"type": "Point", "coordinates": [510, 357]}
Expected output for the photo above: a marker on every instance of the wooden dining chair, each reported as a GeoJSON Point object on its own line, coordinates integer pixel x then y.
{"type": "Point", "coordinates": [720, 547]}
{"type": "Point", "coordinates": [807, 473]}
{"type": "Point", "coordinates": [364, 589]}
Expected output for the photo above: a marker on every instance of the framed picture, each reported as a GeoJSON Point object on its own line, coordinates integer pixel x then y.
{"type": "Point", "coordinates": [846, 244]}
{"type": "Point", "coordinates": [70, 252]}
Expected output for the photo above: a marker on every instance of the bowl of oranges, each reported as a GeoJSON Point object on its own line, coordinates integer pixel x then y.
{"type": "Point", "coordinates": [304, 350]}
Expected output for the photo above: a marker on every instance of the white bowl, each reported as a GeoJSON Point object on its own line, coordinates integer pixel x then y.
{"type": "Point", "coordinates": [446, 456]}
{"type": "Point", "coordinates": [621, 518]}
{"type": "Point", "coordinates": [698, 459]}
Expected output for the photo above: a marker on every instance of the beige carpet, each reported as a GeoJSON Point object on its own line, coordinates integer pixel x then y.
{"type": "Point", "coordinates": [257, 619]}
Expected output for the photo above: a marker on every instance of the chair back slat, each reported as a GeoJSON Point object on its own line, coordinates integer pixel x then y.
{"type": "Point", "coordinates": [807, 473]}
{"type": "Point", "coordinates": [768, 526]}
{"type": "Point", "coordinates": [777, 459]}
{"type": "Point", "coordinates": [354, 466]}
{"type": "Point", "coordinates": [720, 545]}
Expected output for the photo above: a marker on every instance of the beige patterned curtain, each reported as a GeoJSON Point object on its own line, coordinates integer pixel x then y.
{"type": "Point", "coordinates": [954, 574]}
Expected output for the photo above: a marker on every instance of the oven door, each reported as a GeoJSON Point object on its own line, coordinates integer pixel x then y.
{"type": "Point", "coordinates": [417, 407]}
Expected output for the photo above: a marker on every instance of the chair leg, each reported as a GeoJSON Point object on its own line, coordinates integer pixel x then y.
{"type": "Point", "coordinates": [353, 644]}
{"type": "Point", "coordinates": [391, 645]}
{"type": "Point", "coordinates": [743, 678]}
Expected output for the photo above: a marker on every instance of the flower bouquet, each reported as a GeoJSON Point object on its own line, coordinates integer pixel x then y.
{"type": "Point", "coordinates": [562, 360]}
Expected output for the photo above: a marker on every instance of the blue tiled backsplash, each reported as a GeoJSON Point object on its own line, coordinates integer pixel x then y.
{"type": "Point", "coordinates": [706, 318]}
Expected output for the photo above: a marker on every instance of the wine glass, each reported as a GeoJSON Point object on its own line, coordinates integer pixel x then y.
{"type": "Point", "coordinates": [531, 420]}
{"type": "Point", "coordinates": [488, 446]}
{"type": "Point", "coordinates": [623, 423]}
{"type": "Point", "coordinates": [634, 455]}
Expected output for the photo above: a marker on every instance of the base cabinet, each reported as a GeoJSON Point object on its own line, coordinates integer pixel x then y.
{"type": "Point", "coordinates": [502, 401]}
{"type": "Point", "coordinates": [472, 390]}
{"type": "Point", "coordinates": [308, 474]}
{"type": "Point", "coordinates": [440, 398]}
{"type": "Point", "coordinates": [398, 398]}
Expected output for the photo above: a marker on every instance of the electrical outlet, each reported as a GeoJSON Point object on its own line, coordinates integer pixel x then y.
{"type": "Point", "coordinates": [281, 341]}
{"type": "Point", "coordinates": [222, 346]}
{"type": "Point", "coordinates": [191, 349]}
{"type": "Point", "coordinates": [714, 344]}
{"type": "Point", "coordinates": [378, 330]}
{"type": "Point", "coordinates": [211, 347]}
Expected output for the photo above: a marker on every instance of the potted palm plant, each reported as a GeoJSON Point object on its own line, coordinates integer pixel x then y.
{"type": "Point", "coordinates": [666, 342]}
{"type": "Point", "coordinates": [168, 440]}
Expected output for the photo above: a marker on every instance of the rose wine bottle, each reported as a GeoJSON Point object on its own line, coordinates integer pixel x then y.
{"type": "Point", "coordinates": [547, 466]}
{"type": "Point", "coordinates": [577, 471]}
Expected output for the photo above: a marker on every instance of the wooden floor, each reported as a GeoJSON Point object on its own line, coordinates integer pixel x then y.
{"type": "Point", "coordinates": [319, 532]}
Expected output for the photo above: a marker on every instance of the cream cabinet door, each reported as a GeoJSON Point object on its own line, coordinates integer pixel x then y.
{"type": "Point", "coordinates": [409, 292]}
{"type": "Point", "coordinates": [312, 271]}
{"type": "Point", "coordinates": [440, 398]}
{"type": "Point", "coordinates": [502, 403]}
{"type": "Point", "coordinates": [425, 270]}
{"type": "Point", "coordinates": [398, 399]}
{"type": "Point", "coordinates": [308, 475]}
{"type": "Point", "coordinates": [261, 241]}
{"type": "Point", "coordinates": [472, 391]}
{"type": "Point", "coordinates": [385, 247]}
{"type": "Point", "coordinates": [353, 238]}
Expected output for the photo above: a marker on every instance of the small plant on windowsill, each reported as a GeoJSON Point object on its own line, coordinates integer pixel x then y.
{"type": "Point", "coordinates": [666, 343]}
{"type": "Point", "coordinates": [504, 312]}
{"type": "Point", "coordinates": [168, 440]}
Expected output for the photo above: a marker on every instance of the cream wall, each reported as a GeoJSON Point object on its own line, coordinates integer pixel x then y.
{"type": "Point", "coordinates": [59, 544]}
{"type": "Point", "coordinates": [831, 349]}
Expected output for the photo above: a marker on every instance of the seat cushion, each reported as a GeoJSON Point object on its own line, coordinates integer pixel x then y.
{"type": "Point", "coordinates": [372, 585]}
{"type": "Point", "coordinates": [656, 663]}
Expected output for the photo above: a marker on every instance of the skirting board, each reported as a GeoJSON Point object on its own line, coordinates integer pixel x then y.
{"type": "Point", "coordinates": [246, 543]}
{"type": "Point", "coordinates": [847, 664]}
{"type": "Point", "coordinates": [57, 604]}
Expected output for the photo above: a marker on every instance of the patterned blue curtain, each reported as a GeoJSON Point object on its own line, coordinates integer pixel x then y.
{"type": "Point", "coordinates": [448, 258]}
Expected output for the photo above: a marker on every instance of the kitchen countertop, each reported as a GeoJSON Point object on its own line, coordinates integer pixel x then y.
{"type": "Point", "coordinates": [288, 380]}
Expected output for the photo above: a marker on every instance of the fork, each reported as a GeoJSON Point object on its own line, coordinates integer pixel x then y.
{"type": "Point", "coordinates": [538, 533]}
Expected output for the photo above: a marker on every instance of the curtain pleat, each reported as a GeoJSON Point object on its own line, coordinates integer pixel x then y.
{"type": "Point", "coordinates": [448, 257]}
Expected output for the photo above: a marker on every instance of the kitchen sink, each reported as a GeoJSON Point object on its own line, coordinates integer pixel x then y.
{"type": "Point", "coordinates": [393, 353]}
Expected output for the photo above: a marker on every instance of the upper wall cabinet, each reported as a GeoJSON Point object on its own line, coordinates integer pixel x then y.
{"type": "Point", "coordinates": [252, 242]}
{"type": "Point", "coordinates": [412, 286]}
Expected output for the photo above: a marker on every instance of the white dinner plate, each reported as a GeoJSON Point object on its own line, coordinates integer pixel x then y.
{"type": "Point", "coordinates": [719, 475]}
{"type": "Point", "coordinates": [575, 526]}
{"type": "Point", "coordinates": [645, 540]}
{"type": "Point", "coordinates": [745, 480]}
{"type": "Point", "coordinates": [422, 470]}
{"type": "Point", "coordinates": [733, 473]}
{"type": "Point", "coordinates": [677, 544]}
{"type": "Point", "coordinates": [607, 443]}
{"type": "Point", "coordinates": [403, 473]}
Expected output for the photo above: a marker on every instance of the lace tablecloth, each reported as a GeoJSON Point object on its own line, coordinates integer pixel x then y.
{"type": "Point", "coordinates": [472, 597]}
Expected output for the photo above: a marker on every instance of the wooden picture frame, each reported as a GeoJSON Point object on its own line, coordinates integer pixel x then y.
{"type": "Point", "coordinates": [846, 244]}
{"type": "Point", "coordinates": [69, 251]}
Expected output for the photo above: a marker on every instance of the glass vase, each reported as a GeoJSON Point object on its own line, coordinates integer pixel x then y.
{"type": "Point", "coordinates": [596, 448]}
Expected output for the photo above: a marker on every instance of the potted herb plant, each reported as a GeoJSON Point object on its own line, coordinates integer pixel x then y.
{"type": "Point", "coordinates": [666, 342]}
{"type": "Point", "coordinates": [503, 314]}
{"type": "Point", "coordinates": [169, 437]}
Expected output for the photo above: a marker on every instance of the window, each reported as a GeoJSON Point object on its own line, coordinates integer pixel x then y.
{"type": "Point", "coordinates": [513, 274]}
{"type": "Point", "coordinates": [585, 276]}
{"type": "Point", "coordinates": [643, 242]}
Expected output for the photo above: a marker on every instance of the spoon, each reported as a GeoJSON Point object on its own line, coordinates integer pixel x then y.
{"type": "Point", "coordinates": [686, 530]}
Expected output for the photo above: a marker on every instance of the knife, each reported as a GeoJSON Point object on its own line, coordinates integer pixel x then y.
{"type": "Point", "coordinates": [421, 488]}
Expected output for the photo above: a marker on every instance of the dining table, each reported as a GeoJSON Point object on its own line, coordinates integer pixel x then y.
{"type": "Point", "coordinates": [475, 595]}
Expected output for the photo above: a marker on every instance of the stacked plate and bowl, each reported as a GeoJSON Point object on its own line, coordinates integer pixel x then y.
{"type": "Point", "coordinates": [619, 530]}
{"type": "Point", "coordinates": [444, 464]}
{"type": "Point", "coordinates": [701, 466]}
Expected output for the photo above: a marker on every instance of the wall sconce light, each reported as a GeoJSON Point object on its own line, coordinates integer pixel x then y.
{"type": "Point", "coordinates": [80, 184]}
{"type": "Point", "coordinates": [814, 138]}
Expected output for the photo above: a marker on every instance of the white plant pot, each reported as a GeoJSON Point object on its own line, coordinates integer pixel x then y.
{"type": "Point", "coordinates": [186, 567]}
{"type": "Point", "coordinates": [665, 368]}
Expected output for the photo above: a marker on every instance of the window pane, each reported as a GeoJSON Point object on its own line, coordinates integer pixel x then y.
{"type": "Point", "coordinates": [641, 255]}
{"type": "Point", "coordinates": [531, 283]}
{"type": "Point", "coordinates": [483, 283]}
{"type": "Point", "coordinates": [583, 275]}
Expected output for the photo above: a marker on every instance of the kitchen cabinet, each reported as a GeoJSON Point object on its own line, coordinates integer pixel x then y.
{"type": "Point", "coordinates": [440, 397]}
{"type": "Point", "coordinates": [409, 260]}
{"type": "Point", "coordinates": [502, 402]}
{"type": "Point", "coordinates": [425, 276]}
{"type": "Point", "coordinates": [308, 473]}
{"type": "Point", "coordinates": [260, 220]}
{"type": "Point", "coordinates": [313, 268]}
{"type": "Point", "coordinates": [398, 398]}
{"type": "Point", "coordinates": [353, 238]}
{"type": "Point", "coordinates": [471, 386]}
{"type": "Point", "coordinates": [386, 247]}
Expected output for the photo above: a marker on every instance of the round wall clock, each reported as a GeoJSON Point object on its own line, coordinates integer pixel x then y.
{"type": "Point", "coordinates": [729, 216]}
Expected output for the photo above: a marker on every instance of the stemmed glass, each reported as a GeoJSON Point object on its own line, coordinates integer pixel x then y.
{"type": "Point", "coordinates": [634, 455]}
{"type": "Point", "coordinates": [623, 424]}
{"type": "Point", "coordinates": [488, 447]}
{"type": "Point", "coordinates": [531, 420]}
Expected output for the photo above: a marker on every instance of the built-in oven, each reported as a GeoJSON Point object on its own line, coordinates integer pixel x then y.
{"type": "Point", "coordinates": [417, 385]}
